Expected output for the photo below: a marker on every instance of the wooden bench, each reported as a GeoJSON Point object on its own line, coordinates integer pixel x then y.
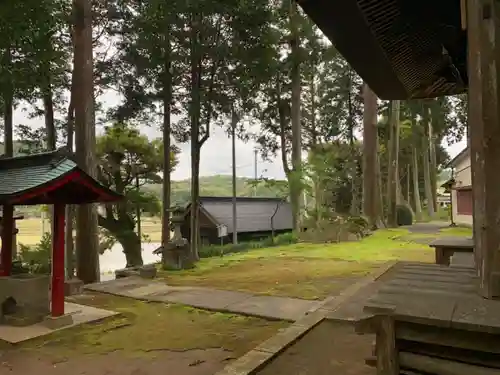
{"type": "Point", "coordinates": [446, 247]}
{"type": "Point", "coordinates": [430, 320]}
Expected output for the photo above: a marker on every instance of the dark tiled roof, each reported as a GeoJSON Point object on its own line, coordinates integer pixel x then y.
{"type": "Point", "coordinates": [252, 214]}
{"type": "Point", "coordinates": [403, 49]}
{"type": "Point", "coordinates": [24, 174]}
{"type": "Point", "coordinates": [27, 172]}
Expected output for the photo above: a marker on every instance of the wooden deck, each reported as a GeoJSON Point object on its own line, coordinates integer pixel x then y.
{"type": "Point", "coordinates": [429, 319]}
{"type": "Point", "coordinates": [446, 247]}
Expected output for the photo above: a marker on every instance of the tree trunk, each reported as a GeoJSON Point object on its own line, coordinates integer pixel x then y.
{"type": "Point", "coordinates": [131, 244]}
{"type": "Point", "coordinates": [354, 209]}
{"type": "Point", "coordinates": [69, 242]}
{"type": "Point", "coordinates": [87, 246]}
{"type": "Point", "coordinates": [195, 112]}
{"type": "Point", "coordinates": [296, 181]}
{"type": "Point", "coordinates": [234, 123]}
{"type": "Point", "coordinates": [50, 128]}
{"type": "Point", "coordinates": [8, 101]}
{"type": "Point", "coordinates": [379, 193]}
{"type": "Point", "coordinates": [416, 185]}
{"type": "Point", "coordinates": [427, 173]}
{"type": "Point", "coordinates": [167, 100]}
{"type": "Point", "coordinates": [408, 183]}
{"type": "Point", "coordinates": [393, 175]}
{"type": "Point", "coordinates": [433, 165]}
{"type": "Point", "coordinates": [48, 105]}
{"type": "Point", "coordinates": [370, 190]}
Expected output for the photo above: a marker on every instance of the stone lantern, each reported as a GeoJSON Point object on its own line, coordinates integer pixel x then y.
{"type": "Point", "coordinates": [177, 252]}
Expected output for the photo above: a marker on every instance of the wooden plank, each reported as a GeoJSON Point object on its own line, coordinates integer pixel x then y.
{"type": "Point", "coordinates": [424, 266]}
{"type": "Point", "coordinates": [431, 309]}
{"type": "Point", "coordinates": [436, 278]}
{"type": "Point", "coordinates": [451, 274]}
{"type": "Point", "coordinates": [439, 270]}
{"type": "Point", "coordinates": [387, 356]}
{"type": "Point", "coordinates": [470, 357]}
{"type": "Point", "coordinates": [477, 314]}
{"type": "Point", "coordinates": [439, 366]}
{"type": "Point", "coordinates": [453, 242]}
{"type": "Point", "coordinates": [459, 278]}
{"type": "Point", "coordinates": [412, 283]}
{"type": "Point", "coordinates": [424, 293]}
{"type": "Point", "coordinates": [448, 337]}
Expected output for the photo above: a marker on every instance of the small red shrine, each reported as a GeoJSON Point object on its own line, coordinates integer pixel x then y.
{"type": "Point", "coordinates": [51, 178]}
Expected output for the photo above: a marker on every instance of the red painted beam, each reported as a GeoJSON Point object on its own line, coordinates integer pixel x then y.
{"type": "Point", "coordinates": [58, 260]}
{"type": "Point", "coordinates": [7, 238]}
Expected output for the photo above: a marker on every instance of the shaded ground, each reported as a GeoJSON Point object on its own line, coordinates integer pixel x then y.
{"type": "Point", "coordinates": [147, 339]}
{"type": "Point", "coordinates": [190, 362]}
{"type": "Point", "coordinates": [330, 348]}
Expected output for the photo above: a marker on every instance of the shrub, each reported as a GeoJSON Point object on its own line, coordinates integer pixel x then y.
{"type": "Point", "coordinates": [358, 225]}
{"type": "Point", "coordinates": [404, 215]}
{"type": "Point", "coordinates": [218, 250]}
{"type": "Point", "coordinates": [335, 229]}
{"type": "Point", "coordinates": [35, 259]}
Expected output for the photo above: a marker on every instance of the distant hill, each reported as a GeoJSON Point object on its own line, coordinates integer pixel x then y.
{"type": "Point", "coordinates": [214, 186]}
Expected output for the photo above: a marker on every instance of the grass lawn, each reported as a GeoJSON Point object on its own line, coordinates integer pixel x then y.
{"type": "Point", "coordinates": [310, 271]}
{"type": "Point", "coordinates": [145, 328]}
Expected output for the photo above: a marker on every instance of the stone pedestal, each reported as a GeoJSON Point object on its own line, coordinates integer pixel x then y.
{"type": "Point", "coordinates": [147, 271]}
{"type": "Point", "coordinates": [73, 287]}
{"type": "Point", "coordinates": [24, 299]}
{"type": "Point", "coordinates": [58, 322]}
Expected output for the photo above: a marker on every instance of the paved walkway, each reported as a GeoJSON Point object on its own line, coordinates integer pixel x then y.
{"type": "Point", "coordinates": [431, 227]}
{"type": "Point", "coordinates": [280, 308]}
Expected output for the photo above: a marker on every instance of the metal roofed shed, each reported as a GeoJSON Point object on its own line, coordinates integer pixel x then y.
{"type": "Point", "coordinates": [401, 49]}
{"type": "Point", "coordinates": [257, 217]}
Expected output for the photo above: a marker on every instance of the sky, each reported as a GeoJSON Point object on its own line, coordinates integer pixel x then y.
{"type": "Point", "coordinates": [215, 153]}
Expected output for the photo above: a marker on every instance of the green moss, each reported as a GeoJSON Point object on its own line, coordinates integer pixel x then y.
{"type": "Point", "coordinates": [302, 270]}
{"type": "Point", "coordinates": [144, 328]}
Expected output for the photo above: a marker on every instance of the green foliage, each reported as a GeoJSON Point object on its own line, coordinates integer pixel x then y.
{"type": "Point", "coordinates": [404, 215]}
{"type": "Point", "coordinates": [220, 186]}
{"type": "Point", "coordinates": [218, 250]}
{"type": "Point", "coordinates": [127, 161]}
{"type": "Point", "coordinates": [333, 170]}
{"type": "Point", "coordinates": [35, 259]}
{"type": "Point", "coordinates": [334, 229]}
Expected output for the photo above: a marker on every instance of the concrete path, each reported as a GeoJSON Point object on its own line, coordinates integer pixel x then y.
{"type": "Point", "coordinates": [279, 308]}
{"type": "Point", "coordinates": [431, 227]}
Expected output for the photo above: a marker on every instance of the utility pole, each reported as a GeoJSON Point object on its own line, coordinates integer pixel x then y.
{"type": "Point", "coordinates": [255, 152]}
{"type": "Point", "coordinates": [234, 121]}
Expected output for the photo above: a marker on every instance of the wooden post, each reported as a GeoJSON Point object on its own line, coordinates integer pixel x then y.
{"type": "Point", "coordinates": [483, 26]}
{"type": "Point", "coordinates": [58, 238]}
{"type": "Point", "coordinates": [387, 355]}
{"type": "Point", "coordinates": [7, 228]}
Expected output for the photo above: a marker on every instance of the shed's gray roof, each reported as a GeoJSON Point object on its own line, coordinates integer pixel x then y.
{"type": "Point", "coordinates": [253, 214]}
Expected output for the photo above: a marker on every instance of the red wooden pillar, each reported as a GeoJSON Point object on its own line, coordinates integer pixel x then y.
{"type": "Point", "coordinates": [7, 229]}
{"type": "Point", "coordinates": [58, 237]}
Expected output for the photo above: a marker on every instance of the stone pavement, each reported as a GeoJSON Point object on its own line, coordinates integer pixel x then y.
{"type": "Point", "coordinates": [269, 307]}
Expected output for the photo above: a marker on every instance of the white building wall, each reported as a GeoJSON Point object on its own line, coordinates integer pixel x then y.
{"type": "Point", "coordinates": [463, 177]}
